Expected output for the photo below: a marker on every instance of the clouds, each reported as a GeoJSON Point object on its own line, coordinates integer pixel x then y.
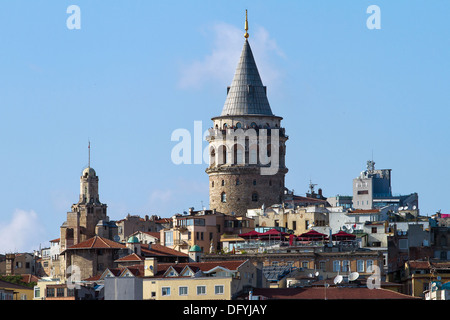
{"type": "Point", "coordinates": [23, 233]}
{"type": "Point", "coordinates": [220, 64]}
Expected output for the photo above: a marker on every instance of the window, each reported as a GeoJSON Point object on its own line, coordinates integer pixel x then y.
{"type": "Point", "coordinates": [360, 266]}
{"type": "Point", "coordinates": [254, 196]}
{"type": "Point", "coordinates": [37, 292]}
{"type": "Point", "coordinates": [238, 154]}
{"type": "Point", "coordinates": [212, 157]}
{"type": "Point", "coordinates": [336, 266]}
{"type": "Point", "coordinates": [345, 266]}
{"type": "Point", "coordinates": [294, 225]}
{"type": "Point", "coordinates": [60, 292]}
{"type": "Point", "coordinates": [201, 290]}
{"type": "Point", "coordinates": [183, 291]}
{"type": "Point", "coordinates": [305, 264]}
{"type": "Point", "coordinates": [165, 291]}
{"type": "Point", "coordinates": [374, 229]}
{"type": "Point", "coordinates": [223, 182]}
{"type": "Point", "coordinates": [254, 182]}
{"type": "Point", "coordinates": [369, 265]}
{"type": "Point", "coordinates": [223, 197]}
{"type": "Point", "coordinates": [322, 265]}
{"type": "Point", "coordinates": [50, 292]}
{"type": "Point", "coordinates": [168, 238]}
{"type": "Point", "coordinates": [238, 125]}
{"type": "Point", "coordinates": [212, 184]}
{"type": "Point", "coordinates": [218, 289]}
{"type": "Point", "coordinates": [71, 292]}
{"type": "Point", "coordinates": [237, 182]}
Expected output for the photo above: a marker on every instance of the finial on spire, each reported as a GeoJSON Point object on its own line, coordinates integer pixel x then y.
{"type": "Point", "coordinates": [89, 153]}
{"type": "Point", "coordinates": [246, 26]}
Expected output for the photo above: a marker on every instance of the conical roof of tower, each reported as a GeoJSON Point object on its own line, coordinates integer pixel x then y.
{"type": "Point", "coordinates": [247, 94]}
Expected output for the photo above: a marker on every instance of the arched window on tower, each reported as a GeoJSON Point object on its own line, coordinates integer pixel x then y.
{"type": "Point", "coordinates": [238, 154]}
{"type": "Point", "coordinates": [212, 156]}
{"type": "Point", "coordinates": [223, 197]}
{"type": "Point", "coordinates": [253, 154]}
{"type": "Point", "coordinates": [254, 196]}
{"type": "Point", "coordinates": [222, 153]}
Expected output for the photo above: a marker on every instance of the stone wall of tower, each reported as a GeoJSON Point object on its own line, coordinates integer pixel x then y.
{"type": "Point", "coordinates": [240, 185]}
{"type": "Point", "coordinates": [236, 181]}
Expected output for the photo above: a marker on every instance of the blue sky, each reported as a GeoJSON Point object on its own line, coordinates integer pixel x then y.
{"type": "Point", "coordinates": [138, 70]}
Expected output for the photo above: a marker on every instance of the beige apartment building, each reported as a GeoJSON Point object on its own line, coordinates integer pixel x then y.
{"type": "Point", "coordinates": [204, 229]}
{"type": "Point", "coordinates": [215, 280]}
{"type": "Point", "coordinates": [299, 219]}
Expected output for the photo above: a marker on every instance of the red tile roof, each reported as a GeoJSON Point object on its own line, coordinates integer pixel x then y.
{"type": "Point", "coordinates": [160, 250]}
{"type": "Point", "coordinates": [419, 264]}
{"type": "Point", "coordinates": [97, 242]}
{"type": "Point", "coordinates": [27, 278]}
{"type": "Point", "coordinates": [130, 257]}
{"type": "Point", "coordinates": [332, 293]}
{"type": "Point", "coordinates": [153, 234]}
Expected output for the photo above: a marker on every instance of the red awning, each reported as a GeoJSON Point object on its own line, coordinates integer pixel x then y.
{"type": "Point", "coordinates": [312, 235]}
{"type": "Point", "coordinates": [273, 234]}
{"type": "Point", "coordinates": [251, 234]}
{"type": "Point", "coordinates": [341, 235]}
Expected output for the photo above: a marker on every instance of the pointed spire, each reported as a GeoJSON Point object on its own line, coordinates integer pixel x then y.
{"type": "Point", "coordinates": [247, 94]}
{"type": "Point", "coordinates": [246, 26]}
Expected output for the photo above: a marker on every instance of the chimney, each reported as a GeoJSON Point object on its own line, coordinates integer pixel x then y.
{"type": "Point", "coordinates": [150, 267]}
{"type": "Point", "coordinates": [10, 257]}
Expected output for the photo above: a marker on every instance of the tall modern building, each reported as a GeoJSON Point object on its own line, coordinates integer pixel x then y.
{"type": "Point", "coordinates": [373, 190]}
{"type": "Point", "coordinates": [246, 145]}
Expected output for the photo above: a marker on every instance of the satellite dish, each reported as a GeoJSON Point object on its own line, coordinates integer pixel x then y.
{"type": "Point", "coordinates": [310, 275]}
{"type": "Point", "coordinates": [338, 279]}
{"type": "Point", "coordinates": [316, 274]}
{"type": "Point", "coordinates": [353, 276]}
{"type": "Point", "coordinates": [414, 207]}
{"type": "Point", "coordinates": [401, 208]}
{"type": "Point", "coordinates": [116, 238]}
